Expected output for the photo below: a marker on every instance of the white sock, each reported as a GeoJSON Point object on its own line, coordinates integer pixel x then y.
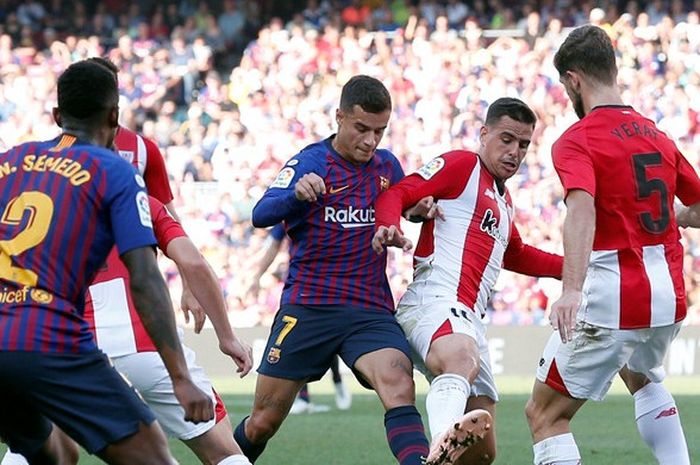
{"type": "Point", "coordinates": [13, 459]}
{"type": "Point", "coordinates": [557, 450]}
{"type": "Point", "coordinates": [238, 459]}
{"type": "Point", "coordinates": [446, 401]}
{"type": "Point", "coordinates": [659, 424]}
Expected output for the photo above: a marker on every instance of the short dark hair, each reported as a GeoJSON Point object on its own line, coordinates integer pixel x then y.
{"type": "Point", "coordinates": [107, 63]}
{"type": "Point", "coordinates": [512, 107]}
{"type": "Point", "coordinates": [367, 92]}
{"type": "Point", "coordinates": [588, 50]}
{"type": "Point", "coordinates": [86, 89]}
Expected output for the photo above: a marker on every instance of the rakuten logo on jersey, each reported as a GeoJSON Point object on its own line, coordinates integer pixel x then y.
{"type": "Point", "coordinates": [350, 217]}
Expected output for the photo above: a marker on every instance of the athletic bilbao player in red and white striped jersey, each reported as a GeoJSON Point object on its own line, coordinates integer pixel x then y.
{"type": "Point", "coordinates": [623, 295]}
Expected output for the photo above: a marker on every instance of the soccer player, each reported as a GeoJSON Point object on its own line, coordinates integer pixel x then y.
{"type": "Point", "coordinates": [302, 404]}
{"type": "Point", "coordinates": [457, 262]}
{"type": "Point", "coordinates": [336, 298]}
{"type": "Point", "coordinates": [64, 205]}
{"type": "Point", "coordinates": [623, 297]}
{"type": "Point", "coordinates": [120, 334]}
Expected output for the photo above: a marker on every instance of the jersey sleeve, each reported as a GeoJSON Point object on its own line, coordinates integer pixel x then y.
{"type": "Point", "coordinates": [397, 173]}
{"type": "Point", "coordinates": [436, 179]}
{"type": "Point", "coordinates": [156, 176]}
{"type": "Point", "coordinates": [573, 164]}
{"type": "Point", "coordinates": [279, 201]}
{"type": "Point", "coordinates": [526, 259]}
{"type": "Point", "coordinates": [277, 232]}
{"type": "Point", "coordinates": [687, 182]}
{"type": "Point", "coordinates": [129, 210]}
{"type": "Point", "coordinates": [165, 227]}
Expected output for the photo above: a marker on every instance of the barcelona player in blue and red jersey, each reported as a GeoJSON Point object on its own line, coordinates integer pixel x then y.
{"type": "Point", "coordinates": [63, 205]}
{"type": "Point", "coordinates": [336, 299]}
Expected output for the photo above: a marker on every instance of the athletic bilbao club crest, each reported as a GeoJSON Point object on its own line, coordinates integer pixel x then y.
{"type": "Point", "coordinates": [383, 183]}
{"type": "Point", "coordinates": [274, 355]}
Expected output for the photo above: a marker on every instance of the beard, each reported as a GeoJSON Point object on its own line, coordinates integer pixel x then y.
{"type": "Point", "coordinates": [577, 102]}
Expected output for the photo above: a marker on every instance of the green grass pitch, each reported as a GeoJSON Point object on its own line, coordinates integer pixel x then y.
{"type": "Point", "coordinates": [605, 431]}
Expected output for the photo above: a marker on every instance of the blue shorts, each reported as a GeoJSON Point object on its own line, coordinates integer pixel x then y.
{"type": "Point", "coordinates": [80, 393]}
{"type": "Point", "coordinates": [304, 338]}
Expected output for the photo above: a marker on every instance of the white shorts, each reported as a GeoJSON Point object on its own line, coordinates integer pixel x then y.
{"type": "Point", "coordinates": [147, 373]}
{"type": "Point", "coordinates": [422, 322]}
{"type": "Point", "coordinates": [585, 367]}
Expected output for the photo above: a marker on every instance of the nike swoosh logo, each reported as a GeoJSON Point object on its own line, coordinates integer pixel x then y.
{"type": "Point", "coordinates": [335, 190]}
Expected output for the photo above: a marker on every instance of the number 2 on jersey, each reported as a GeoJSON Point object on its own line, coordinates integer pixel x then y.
{"type": "Point", "coordinates": [289, 323]}
{"type": "Point", "coordinates": [40, 207]}
{"type": "Point", "coordinates": [646, 187]}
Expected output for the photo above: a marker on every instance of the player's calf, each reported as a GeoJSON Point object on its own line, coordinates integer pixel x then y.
{"type": "Point", "coordinates": [466, 432]}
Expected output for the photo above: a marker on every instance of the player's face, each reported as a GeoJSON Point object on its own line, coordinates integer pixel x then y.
{"type": "Point", "coordinates": [359, 133]}
{"type": "Point", "coordinates": [503, 146]}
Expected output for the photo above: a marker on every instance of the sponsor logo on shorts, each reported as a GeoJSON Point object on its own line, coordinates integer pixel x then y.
{"type": "Point", "coordinates": [274, 355]}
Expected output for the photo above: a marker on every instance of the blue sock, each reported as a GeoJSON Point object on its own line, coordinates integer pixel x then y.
{"type": "Point", "coordinates": [406, 435]}
{"type": "Point", "coordinates": [250, 450]}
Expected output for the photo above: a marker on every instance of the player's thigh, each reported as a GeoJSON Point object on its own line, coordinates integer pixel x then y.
{"type": "Point", "coordinates": [484, 451]}
{"type": "Point", "coordinates": [648, 356]}
{"type": "Point", "coordinates": [149, 376]}
{"type": "Point", "coordinates": [82, 394]}
{"type": "Point", "coordinates": [302, 342]}
{"type": "Point", "coordinates": [273, 399]}
{"type": "Point", "coordinates": [216, 444]}
{"type": "Point", "coordinates": [585, 367]}
{"type": "Point", "coordinates": [549, 411]}
{"type": "Point", "coordinates": [147, 446]}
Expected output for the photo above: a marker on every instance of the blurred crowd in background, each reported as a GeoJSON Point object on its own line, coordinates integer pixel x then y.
{"type": "Point", "coordinates": [231, 89]}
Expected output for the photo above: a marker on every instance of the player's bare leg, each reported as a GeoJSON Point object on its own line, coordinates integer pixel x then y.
{"type": "Point", "coordinates": [549, 415]}
{"type": "Point", "coordinates": [273, 399]}
{"type": "Point", "coordinates": [454, 359]}
{"type": "Point", "coordinates": [217, 445]}
{"type": "Point", "coordinates": [484, 451]}
{"type": "Point", "coordinates": [657, 418]}
{"type": "Point", "coordinates": [390, 373]}
{"type": "Point", "coordinates": [147, 447]}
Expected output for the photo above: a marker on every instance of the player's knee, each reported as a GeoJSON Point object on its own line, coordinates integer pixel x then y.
{"type": "Point", "coordinates": [534, 415]}
{"type": "Point", "coordinates": [260, 428]}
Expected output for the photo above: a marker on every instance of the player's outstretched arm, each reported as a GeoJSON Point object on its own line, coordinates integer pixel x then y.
{"type": "Point", "coordinates": [153, 305]}
{"type": "Point", "coordinates": [265, 262]}
{"type": "Point", "coordinates": [204, 284]}
{"type": "Point", "coordinates": [529, 260]}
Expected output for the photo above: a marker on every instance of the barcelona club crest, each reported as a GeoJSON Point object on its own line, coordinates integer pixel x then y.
{"type": "Point", "coordinates": [383, 183]}
{"type": "Point", "coordinates": [274, 355]}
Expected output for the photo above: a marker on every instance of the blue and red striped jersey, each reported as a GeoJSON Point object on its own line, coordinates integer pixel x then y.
{"type": "Point", "coordinates": [331, 259]}
{"type": "Point", "coordinates": [63, 205]}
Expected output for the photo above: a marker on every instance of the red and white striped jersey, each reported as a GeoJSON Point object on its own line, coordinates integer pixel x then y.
{"type": "Point", "coordinates": [144, 154]}
{"type": "Point", "coordinates": [459, 258]}
{"type": "Point", "coordinates": [633, 171]}
{"type": "Point", "coordinates": [109, 309]}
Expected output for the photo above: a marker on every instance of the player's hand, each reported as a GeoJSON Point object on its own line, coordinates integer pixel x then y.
{"type": "Point", "coordinates": [563, 314]}
{"type": "Point", "coordinates": [198, 406]}
{"type": "Point", "coordinates": [309, 187]}
{"type": "Point", "coordinates": [390, 236]}
{"type": "Point", "coordinates": [240, 352]}
{"type": "Point", "coordinates": [426, 209]}
{"type": "Point", "coordinates": [188, 303]}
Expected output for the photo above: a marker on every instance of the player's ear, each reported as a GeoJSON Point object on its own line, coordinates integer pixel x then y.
{"type": "Point", "coordinates": [482, 133]}
{"type": "Point", "coordinates": [56, 116]}
{"type": "Point", "coordinates": [113, 117]}
{"type": "Point", "coordinates": [339, 116]}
